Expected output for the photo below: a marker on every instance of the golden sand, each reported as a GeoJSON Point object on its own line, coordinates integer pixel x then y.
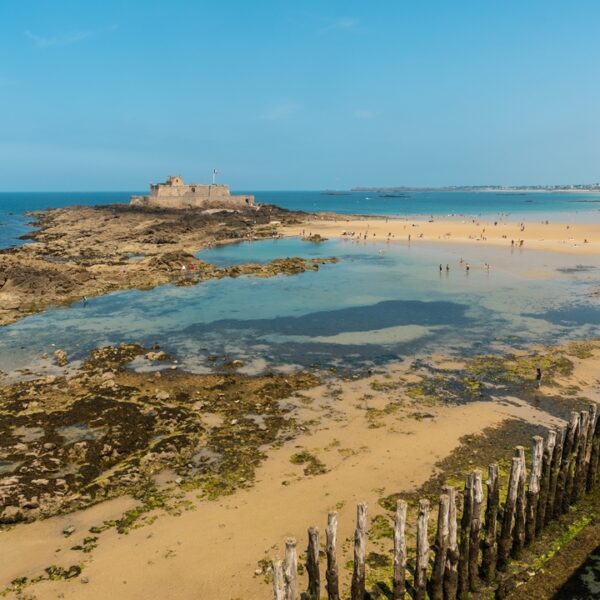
{"type": "Point", "coordinates": [555, 237]}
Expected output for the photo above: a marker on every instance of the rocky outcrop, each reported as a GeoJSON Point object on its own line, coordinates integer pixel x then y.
{"type": "Point", "coordinates": [82, 252]}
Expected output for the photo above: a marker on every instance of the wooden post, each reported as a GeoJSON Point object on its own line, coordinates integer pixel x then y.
{"type": "Point", "coordinates": [580, 473]}
{"type": "Point", "coordinates": [490, 550]}
{"type": "Point", "coordinates": [422, 559]}
{"type": "Point", "coordinates": [441, 548]}
{"type": "Point", "coordinates": [595, 458]}
{"type": "Point", "coordinates": [312, 565]}
{"type": "Point", "coordinates": [533, 492]}
{"type": "Point", "coordinates": [333, 586]}
{"type": "Point", "coordinates": [475, 532]}
{"type": "Point", "coordinates": [590, 444]}
{"type": "Point", "coordinates": [568, 452]}
{"type": "Point", "coordinates": [291, 570]}
{"type": "Point", "coordinates": [551, 508]}
{"type": "Point", "coordinates": [399, 582]}
{"type": "Point", "coordinates": [451, 570]}
{"type": "Point", "coordinates": [505, 541]}
{"type": "Point", "coordinates": [358, 575]}
{"type": "Point", "coordinates": [465, 538]}
{"type": "Point", "coordinates": [521, 509]}
{"type": "Point", "coordinates": [278, 583]}
{"type": "Point", "coordinates": [545, 481]}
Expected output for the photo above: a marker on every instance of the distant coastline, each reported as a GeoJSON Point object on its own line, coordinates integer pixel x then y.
{"type": "Point", "coordinates": [580, 188]}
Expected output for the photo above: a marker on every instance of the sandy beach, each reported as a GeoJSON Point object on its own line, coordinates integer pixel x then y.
{"type": "Point", "coordinates": [555, 237]}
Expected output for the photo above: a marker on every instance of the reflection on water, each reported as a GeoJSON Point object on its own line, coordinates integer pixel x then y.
{"type": "Point", "coordinates": [380, 302]}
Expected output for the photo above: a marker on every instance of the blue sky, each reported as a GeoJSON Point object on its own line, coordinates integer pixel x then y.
{"type": "Point", "coordinates": [303, 94]}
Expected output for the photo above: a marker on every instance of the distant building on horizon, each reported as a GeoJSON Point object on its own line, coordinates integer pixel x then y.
{"type": "Point", "coordinates": [175, 193]}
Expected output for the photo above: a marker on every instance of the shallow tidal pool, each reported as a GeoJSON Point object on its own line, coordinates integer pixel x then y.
{"type": "Point", "coordinates": [380, 302]}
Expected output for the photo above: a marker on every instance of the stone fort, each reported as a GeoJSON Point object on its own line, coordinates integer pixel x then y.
{"type": "Point", "coordinates": [174, 193]}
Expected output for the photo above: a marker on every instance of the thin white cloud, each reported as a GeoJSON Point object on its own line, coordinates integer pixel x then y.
{"type": "Point", "coordinates": [64, 39]}
{"type": "Point", "coordinates": [363, 114]}
{"type": "Point", "coordinates": [279, 112]}
{"type": "Point", "coordinates": [345, 23]}
{"type": "Point", "coordinates": [341, 24]}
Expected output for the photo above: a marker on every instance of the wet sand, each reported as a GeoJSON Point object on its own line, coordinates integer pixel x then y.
{"type": "Point", "coordinates": [367, 451]}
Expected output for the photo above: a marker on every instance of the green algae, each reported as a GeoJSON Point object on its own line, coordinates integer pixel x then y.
{"type": "Point", "coordinates": [381, 528]}
{"type": "Point", "coordinates": [567, 536]}
{"type": "Point", "coordinates": [88, 544]}
{"type": "Point", "coordinates": [312, 465]}
{"type": "Point", "coordinates": [142, 423]}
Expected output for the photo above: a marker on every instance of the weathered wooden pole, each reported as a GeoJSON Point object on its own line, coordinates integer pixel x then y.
{"type": "Point", "coordinates": [490, 550]}
{"type": "Point", "coordinates": [312, 565]}
{"type": "Point", "coordinates": [580, 473]}
{"type": "Point", "coordinates": [451, 569]}
{"type": "Point", "coordinates": [521, 508]}
{"type": "Point", "coordinates": [590, 444]}
{"type": "Point", "coordinates": [465, 538]}
{"type": "Point", "coordinates": [595, 458]}
{"type": "Point", "coordinates": [360, 535]}
{"type": "Point", "coordinates": [278, 582]}
{"type": "Point", "coordinates": [551, 507]}
{"type": "Point", "coordinates": [568, 462]}
{"type": "Point", "coordinates": [475, 531]}
{"type": "Point", "coordinates": [545, 481]}
{"type": "Point", "coordinates": [505, 540]}
{"type": "Point", "coordinates": [332, 576]}
{"type": "Point", "coordinates": [436, 591]}
{"type": "Point", "coordinates": [593, 417]}
{"type": "Point", "coordinates": [533, 491]}
{"type": "Point", "coordinates": [291, 570]}
{"type": "Point", "coordinates": [422, 559]}
{"type": "Point", "coordinates": [399, 583]}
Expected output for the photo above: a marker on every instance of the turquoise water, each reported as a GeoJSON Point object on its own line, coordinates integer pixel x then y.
{"type": "Point", "coordinates": [532, 206]}
{"type": "Point", "coordinates": [381, 302]}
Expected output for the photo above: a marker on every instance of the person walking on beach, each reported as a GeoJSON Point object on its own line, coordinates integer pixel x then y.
{"type": "Point", "coordinates": [85, 300]}
{"type": "Point", "coordinates": [538, 377]}
{"type": "Point", "coordinates": [441, 268]}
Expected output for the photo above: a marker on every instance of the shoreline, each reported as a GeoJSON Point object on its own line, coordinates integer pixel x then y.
{"type": "Point", "coordinates": [85, 251]}
{"type": "Point", "coordinates": [553, 237]}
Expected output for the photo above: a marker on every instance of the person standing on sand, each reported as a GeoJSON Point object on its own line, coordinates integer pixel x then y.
{"type": "Point", "coordinates": [538, 377]}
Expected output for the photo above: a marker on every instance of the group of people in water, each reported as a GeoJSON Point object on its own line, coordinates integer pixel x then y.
{"type": "Point", "coordinates": [466, 266]}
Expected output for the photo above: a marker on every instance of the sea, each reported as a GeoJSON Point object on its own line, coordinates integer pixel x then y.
{"type": "Point", "coordinates": [380, 302]}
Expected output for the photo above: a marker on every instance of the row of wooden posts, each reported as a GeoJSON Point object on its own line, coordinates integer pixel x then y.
{"type": "Point", "coordinates": [563, 469]}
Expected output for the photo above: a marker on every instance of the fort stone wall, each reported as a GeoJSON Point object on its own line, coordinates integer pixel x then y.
{"type": "Point", "coordinates": [174, 193]}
